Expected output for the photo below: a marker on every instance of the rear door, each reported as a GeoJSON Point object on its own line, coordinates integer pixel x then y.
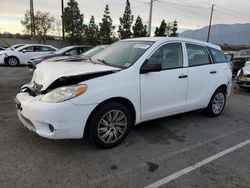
{"type": "Point", "coordinates": [203, 76]}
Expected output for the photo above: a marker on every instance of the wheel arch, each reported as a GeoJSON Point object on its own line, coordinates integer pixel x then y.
{"type": "Point", "coordinates": [126, 102]}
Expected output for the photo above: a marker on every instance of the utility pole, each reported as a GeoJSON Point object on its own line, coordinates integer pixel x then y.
{"type": "Point", "coordinates": [150, 17]}
{"type": "Point", "coordinates": [210, 22]}
{"type": "Point", "coordinates": [32, 21]}
{"type": "Point", "coordinates": [63, 34]}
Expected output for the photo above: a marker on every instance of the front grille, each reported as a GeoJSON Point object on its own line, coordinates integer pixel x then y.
{"type": "Point", "coordinates": [37, 88]}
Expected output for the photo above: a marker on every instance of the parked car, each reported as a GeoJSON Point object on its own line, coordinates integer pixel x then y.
{"type": "Point", "coordinates": [20, 54]}
{"type": "Point", "coordinates": [129, 82]}
{"type": "Point", "coordinates": [81, 57]}
{"type": "Point", "coordinates": [66, 52]}
{"type": "Point", "coordinates": [240, 59]}
{"type": "Point", "coordinates": [243, 76]}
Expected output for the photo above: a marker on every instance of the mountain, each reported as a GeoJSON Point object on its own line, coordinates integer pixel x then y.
{"type": "Point", "coordinates": [238, 34]}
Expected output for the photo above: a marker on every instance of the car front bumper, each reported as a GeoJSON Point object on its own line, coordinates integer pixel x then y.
{"type": "Point", "coordinates": [63, 120]}
{"type": "Point", "coordinates": [243, 81]}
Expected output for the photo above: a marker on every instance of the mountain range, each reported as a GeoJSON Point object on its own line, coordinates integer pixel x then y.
{"type": "Point", "coordinates": [237, 34]}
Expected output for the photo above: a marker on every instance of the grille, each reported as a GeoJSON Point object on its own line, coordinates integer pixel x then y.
{"type": "Point", "coordinates": [37, 88]}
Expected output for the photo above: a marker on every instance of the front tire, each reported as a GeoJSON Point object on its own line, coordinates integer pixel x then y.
{"type": "Point", "coordinates": [12, 61]}
{"type": "Point", "coordinates": [216, 104]}
{"type": "Point", "coordinates": [109, 125]}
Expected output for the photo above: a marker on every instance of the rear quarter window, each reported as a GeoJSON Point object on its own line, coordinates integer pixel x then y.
{"type": "Point", "coordinates": [217, 55]}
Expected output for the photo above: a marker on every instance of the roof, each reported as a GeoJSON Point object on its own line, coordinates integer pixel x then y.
{"type": "Point", "coordinates": [180, 39]}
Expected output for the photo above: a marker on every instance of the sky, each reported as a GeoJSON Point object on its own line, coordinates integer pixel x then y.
{"type": "Point", "coordinates": [190, 14]}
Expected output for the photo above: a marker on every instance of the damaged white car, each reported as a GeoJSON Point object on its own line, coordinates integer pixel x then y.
{"type": "Point", "coordinates": [127, 83]}
{"type": "Point", "coordinates": [243, 77]}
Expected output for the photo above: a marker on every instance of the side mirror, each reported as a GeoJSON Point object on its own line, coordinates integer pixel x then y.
{"type": "Point", "coordinates": [24, 51]}
{"type": "Point", "coordinates": [150, 67]}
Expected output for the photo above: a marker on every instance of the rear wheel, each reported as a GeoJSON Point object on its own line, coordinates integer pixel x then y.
{"type": "Point", "coordinates": [216, 104]}
{"type": "Point", "coordinates": [12, 61]}
{"type": "Point", "coordinates": [109, 124]}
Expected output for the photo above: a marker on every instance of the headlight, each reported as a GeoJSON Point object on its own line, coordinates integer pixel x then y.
{"type": "Point", "coordinates": [64, 93]}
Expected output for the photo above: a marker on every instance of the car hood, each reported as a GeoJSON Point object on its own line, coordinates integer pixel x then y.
{"type": "Point", "coordinates": [246, 69]}
{"type": "Point", "coordinates": [48, 72]}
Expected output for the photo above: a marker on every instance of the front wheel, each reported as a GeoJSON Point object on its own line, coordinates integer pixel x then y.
{"type": "Point", "coordinates": [216, 104]}
{"type": "Point", "coordinates": [12, 61]}
{"type": "Point", "coordinates": [109, 124]}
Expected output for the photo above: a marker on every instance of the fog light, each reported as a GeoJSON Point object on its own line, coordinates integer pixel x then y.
{"type": "Point", "coordinates": [51, 128]}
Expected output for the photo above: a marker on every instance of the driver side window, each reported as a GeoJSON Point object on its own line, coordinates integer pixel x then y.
{"type": "Point", "coordinates": [169, 56]}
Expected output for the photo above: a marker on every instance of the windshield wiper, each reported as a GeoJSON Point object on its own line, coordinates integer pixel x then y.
{"type": "Point", "coordinates": [103, 61]}
{"type": "Point", "coordinates": [91, 60]}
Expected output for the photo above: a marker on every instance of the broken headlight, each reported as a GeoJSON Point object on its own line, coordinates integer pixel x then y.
{"type": "Point", "coordinates": [64, 93]}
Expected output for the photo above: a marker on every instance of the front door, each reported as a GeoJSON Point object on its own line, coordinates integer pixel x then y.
{"type": "Point", "coordinates": [165, 92]}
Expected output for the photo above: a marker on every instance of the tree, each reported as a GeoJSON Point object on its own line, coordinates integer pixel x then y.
{"type": "Point", "coordinates": [126, 22]}
{"type": "Point", "coordinates": [139, 30]}
{"type": "Point", "coordinates": [43, 23]}
{"type": "Point", "coordinates": [165, 29]}
{"type": "Point", "coordinates": [174, 29]}
{"type": "Point", "coordinates": [92, 31]}
{"type": "Point", "coordinates": [106, 28]}
{"type": "Point", "coordinates": [161, 31]}
{"type": "Point", "coordinates": [73, 22]}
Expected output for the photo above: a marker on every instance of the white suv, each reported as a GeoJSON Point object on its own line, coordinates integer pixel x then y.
{"type": "Point", "coordinates": [127, 83]}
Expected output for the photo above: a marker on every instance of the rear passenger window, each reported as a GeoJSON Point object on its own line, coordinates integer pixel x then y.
{"type": "Point", "coordinates": [197, 55]}
{"type": "Point", "coordinates": [217, 56]}
{"type": "Point", "coordinates": [169, 56]}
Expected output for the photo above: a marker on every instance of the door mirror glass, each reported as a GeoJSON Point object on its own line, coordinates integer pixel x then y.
{"type": "Point", "coordinates": [150, 66]}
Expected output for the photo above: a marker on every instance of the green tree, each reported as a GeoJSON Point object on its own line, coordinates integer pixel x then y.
{"type": "Point", "coordinates": [174, 29]}
{"type": "Point", "coordinates": [43, 23]}
{"type": "Point", "coordinates": [139, 30]}
{"type": "Point", "coordinates": [165, 29]}
{"type": "Point", "coordinates": [161, 31]}
{"type": "Point", "coordinates": [106, 28]}
{"type": "Point", "coordinates": [73, 22]}
{"type": "Point", "coordinates": [126, 22]}
{"type": "Point", "coordinates": [92, 31]}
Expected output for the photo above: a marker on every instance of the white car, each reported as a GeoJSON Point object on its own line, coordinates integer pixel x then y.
{"type": "Point", "coordinates": [243, 76]}
{"type": "Point", "coordinates": [20, 54]}
{"type": "Point", "coordinates": [129, 82]}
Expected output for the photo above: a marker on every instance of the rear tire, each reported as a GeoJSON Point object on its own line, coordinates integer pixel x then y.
{"type": "Point", "coordinates": [12, 61]}
{"type": "Point", "coordinates": [109, 125]}
{"type": "Point", "coordinates": [216, 104]}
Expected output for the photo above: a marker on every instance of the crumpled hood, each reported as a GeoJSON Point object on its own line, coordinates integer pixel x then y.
{"type": "Point", "coordinates": [246, 69]}
{"type": "Point", "coordinates": [47, 72]}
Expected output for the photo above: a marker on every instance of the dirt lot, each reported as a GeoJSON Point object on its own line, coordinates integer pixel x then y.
{"type": "Point", "coordinates": [152, 151]}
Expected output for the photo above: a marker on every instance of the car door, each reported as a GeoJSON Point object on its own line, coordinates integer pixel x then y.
{"type": "Point", "coordinates": [203, 76]}
{"type": "Point", "coordinates": [164, 92]}
{"type": "Point", "coordinates": [26, 54]}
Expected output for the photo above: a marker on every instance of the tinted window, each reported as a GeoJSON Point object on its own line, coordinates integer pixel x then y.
{"type": "Point", "coordinates": [217, 56]}
{"type": "Point", "coordinates": [46, 49]}
{"type": "Point", "coordinates": [82, 50]}
{"type": "Point", "coordinates": [169, 56]}
{"type": "Point", "coordinates": [197, 55]}
{"type": "Point", "coordinates": [72, 52]}
{"type": "Point", "coordinates": [29, 49]}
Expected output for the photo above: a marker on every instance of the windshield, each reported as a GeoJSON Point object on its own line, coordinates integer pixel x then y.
{"type": "Point", "coordinates": [62, 50]}
{"type": "Point", "coordinates": [243, 53]}
{"type": "Point", "coordinates": [122, 54]}
{"type": "Point", "coordinates": [15, 46]}
{"type": "Point", "coordinates": [93, 51]}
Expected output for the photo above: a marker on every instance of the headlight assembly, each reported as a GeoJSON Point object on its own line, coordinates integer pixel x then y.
{"type": "Point", "coordinates": [64, 93]}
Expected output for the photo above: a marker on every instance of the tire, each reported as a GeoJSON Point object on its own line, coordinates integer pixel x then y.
{"type": "Point", "coordinates": [216, 104]}
{"type": "Point", "coordinates": [104, 129]}
{"type": "Point", "coordinates": [12, 61]}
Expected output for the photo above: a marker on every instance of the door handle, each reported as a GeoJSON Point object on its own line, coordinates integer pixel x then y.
{"type": "Point", "coordinates": [213, 72]}
{"type": "Point", "coordinates": [183, 76]}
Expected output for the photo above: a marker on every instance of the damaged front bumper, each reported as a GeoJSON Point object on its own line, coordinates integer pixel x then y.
{"type": "Point", "coordinates": [243, 81]}
{"type": "Point", "coordinates": [63, 120]}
